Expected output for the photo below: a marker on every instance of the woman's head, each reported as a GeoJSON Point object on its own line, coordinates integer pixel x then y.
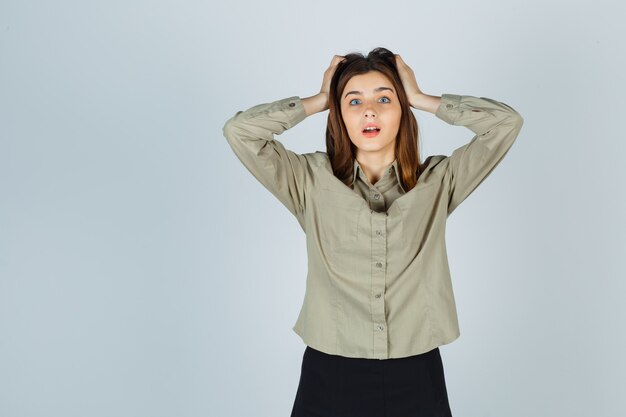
{"type": "Point", "coordinates": [366, 90]}
{"type": "Point", "coordinates": [370, 99]}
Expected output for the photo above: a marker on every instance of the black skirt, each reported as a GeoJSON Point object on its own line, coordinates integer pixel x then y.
{"type": "Point", "coordinates": [339, 386]}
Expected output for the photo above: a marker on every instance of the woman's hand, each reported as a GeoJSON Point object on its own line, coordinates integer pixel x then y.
{"type": "Point", "coordinates": [408, 80]}
{"type": "Point", "coordinates": [319, 102]}
{"type": "Point", "coordinates": [417, 99]}
{"type": "Point", "coordinates": [328, 74]}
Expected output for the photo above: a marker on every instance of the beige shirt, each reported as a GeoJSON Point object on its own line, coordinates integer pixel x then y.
{"type": "Point", "coordinates": [384, 192]}
{"type": "Point", "coordinates": [378, 282]}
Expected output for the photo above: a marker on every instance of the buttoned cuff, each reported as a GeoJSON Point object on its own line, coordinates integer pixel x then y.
{"type": "Point", "coordinates": [294, 109]}
{"type": "Point", "coordinates": [448, 109]}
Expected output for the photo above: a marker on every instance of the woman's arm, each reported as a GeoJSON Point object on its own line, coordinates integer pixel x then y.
{"type": "Point", "coordinates": [495, 124]}
{"type": "Point", "coordinates": [425, 102]}
{"type": "Point", "coordinates": [250, 134]}
{"type": "Point", "coordinates": [315, 104]}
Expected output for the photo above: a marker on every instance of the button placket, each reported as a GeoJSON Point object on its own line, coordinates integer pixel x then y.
{"type": "Point", "coordinates": [377, 201]}
{"type": "Point", "coordinates": [378, 283]}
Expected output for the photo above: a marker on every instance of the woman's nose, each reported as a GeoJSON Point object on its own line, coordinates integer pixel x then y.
{"type": "Point", "coordinates": [370, 112]}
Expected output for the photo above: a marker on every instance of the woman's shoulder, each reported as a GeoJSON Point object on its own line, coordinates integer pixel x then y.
{"type": "Point", "coordinates": [433, 161]}
{"type": "Point", "coordinates": [433, 166]}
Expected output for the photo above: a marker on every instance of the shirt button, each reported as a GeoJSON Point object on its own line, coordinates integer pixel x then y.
{"type": "Point", "coordinates": [378, 232]}
{"type": "Point", "coordinates": [292, 104]}
{"type": "Point", "coordinates": [379, 264]}
{"type": "Point", "coordinates": [381, 328]}
{"type": "Point", "coordinates": [376, 196]}
{"type": "Point", "coordinates": [377, 296]}
{"type": "Point", "coordinates": [449, 106]}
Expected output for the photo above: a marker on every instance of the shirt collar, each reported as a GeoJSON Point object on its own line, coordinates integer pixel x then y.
{"type": "Point", "coordinates": [392, 169]}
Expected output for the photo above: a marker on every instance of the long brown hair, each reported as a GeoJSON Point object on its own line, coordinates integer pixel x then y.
{"type": "Point", "coordinates": [340, 149]}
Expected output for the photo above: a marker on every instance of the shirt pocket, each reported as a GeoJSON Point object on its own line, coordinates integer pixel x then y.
{"type": "Point", "coordinates": [339, 217]}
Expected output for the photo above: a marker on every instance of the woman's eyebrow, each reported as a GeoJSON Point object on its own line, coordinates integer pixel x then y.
{"type": "Point", "coordinates": [375, 90]}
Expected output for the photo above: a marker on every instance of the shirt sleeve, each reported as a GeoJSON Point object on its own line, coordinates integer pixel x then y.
{"type": "Point", "coordinates": [250, 134]}
{"type": "Point", "coordinates": [496, 126]}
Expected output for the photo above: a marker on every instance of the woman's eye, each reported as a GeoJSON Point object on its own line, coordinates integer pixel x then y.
{"type": "Point", "coordinates": [382, 98]}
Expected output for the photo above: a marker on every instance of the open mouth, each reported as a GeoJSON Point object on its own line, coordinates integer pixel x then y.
{"type": "Point", "coordinates": [370, 132]}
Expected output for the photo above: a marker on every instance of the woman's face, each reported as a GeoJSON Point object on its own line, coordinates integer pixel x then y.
{"type": "Point", "coordinates": [371, 99]}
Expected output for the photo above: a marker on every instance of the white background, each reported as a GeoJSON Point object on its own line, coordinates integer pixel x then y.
{"type": "Point", "coordinates": [145, 272]}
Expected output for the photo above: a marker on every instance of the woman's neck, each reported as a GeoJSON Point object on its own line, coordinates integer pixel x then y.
{"type": "Point", "coordinates": [374, 165]}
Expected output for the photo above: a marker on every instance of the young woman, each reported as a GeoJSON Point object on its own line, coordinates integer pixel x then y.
{"type": "Point", "coordinates": [378, 301]}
